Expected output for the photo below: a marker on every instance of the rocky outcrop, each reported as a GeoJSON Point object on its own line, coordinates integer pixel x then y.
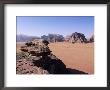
{"type": "Point", "coordinates": [24, 66]}
{"type": "Point", "coordinates": [51, 65]}
{"type": "Point", "coordinates": [38, 60]}
{"type": "Point", "coordinates": [77, 38]}
{"type": "Point", "coordinates": [53, 37]}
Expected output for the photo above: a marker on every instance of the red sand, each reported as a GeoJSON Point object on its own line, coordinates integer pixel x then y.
{"type": "Point", "coordinates": [75, 56]}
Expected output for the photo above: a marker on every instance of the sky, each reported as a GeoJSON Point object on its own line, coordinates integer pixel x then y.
{"type": "Point", "coordinates": [64, 25]}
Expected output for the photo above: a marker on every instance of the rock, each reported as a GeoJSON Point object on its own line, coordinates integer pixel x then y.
{"type": "Point", "coordinates": [27, 67]}
{"type": "Point", "coordinates": [30, 44]}
{"type": "Point", "coordinates": [77, 38]}
{"type": "Point", "coordinates": [21, 55]}
{"type": "Point", "coordinates": [29, 53]}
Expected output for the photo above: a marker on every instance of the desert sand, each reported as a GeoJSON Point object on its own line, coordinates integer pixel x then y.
{"type": "Point", "coordinates": [75, 56]}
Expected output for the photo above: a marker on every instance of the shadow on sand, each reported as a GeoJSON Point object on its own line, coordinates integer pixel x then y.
{"type": "Point", "coordinates": [55, 66]}
{"type": "Point", "coordinates": [74, 71]}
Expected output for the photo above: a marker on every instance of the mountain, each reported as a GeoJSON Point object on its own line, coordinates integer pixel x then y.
{"type": "Point", "coordinates": [76, 38]}
{"type": "Point", "coordinates": [25, 38]}
{"type": "Point", "coordinates": [53, 37]}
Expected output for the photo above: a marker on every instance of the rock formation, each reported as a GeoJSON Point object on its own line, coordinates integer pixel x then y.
{"type": "Point", "coordinates": [53, 37]}
{"type": "Point", "coordinates": [77, 38]}
{"type": "Point", "coordinates": [38, 60]}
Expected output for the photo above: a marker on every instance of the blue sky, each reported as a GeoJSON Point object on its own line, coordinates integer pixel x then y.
{"type": "Point", "coordinates": [64, 25]}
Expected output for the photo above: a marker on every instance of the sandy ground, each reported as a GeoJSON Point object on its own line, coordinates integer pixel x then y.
{"type": "Point", "coordinates": [75, 56]}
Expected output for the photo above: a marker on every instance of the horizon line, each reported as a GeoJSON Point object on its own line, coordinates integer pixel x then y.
{"type": "Point", "coordinates": [52, 33]}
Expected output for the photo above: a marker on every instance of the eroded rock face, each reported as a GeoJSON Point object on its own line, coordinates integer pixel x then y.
{"type": "Point", "coordinates": [77, 38]}
{"type": "Point", "coordinates": [52, 64]}
{"type": "Point", "coordinates": [38, 59]}
{"type": "Point", "coordinates": [21, 55]}
{"type": "Point", "coordinates": [27, 67]}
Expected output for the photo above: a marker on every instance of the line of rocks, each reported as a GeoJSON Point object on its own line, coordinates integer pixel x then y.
{"type": "Point", "coordinates": [38, 59]}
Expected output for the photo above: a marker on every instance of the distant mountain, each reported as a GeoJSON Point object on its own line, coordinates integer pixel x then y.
{"type": "Point", "coordinates": [53, 37]}
{"type": "Point", "coordinates": [76, 38]}
{"type": "Point", "coordinates": [73, 38]}
{"type": "Point", "coordinates": [25, 38]}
